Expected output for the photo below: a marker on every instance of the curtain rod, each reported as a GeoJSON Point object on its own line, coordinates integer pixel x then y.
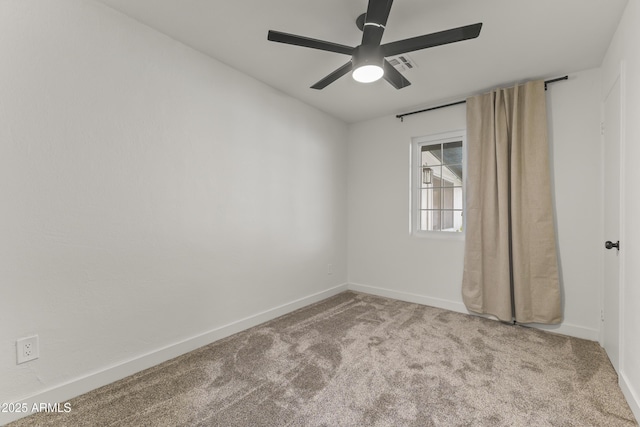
{"type": "Point", "coordinates": [401, 116]}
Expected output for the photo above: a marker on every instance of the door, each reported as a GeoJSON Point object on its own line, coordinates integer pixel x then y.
{"type": "Point", "coordinates": [611, 291]}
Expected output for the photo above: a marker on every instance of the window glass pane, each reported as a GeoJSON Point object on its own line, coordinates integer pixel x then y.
{"type": "Point", "coordinates": [452, 153]}
{"type": "Point", "coordinates": [453, 174]}
{"type": "Point", "coordinates": [423, 221]}
{"type": "Point", "coordinates": [437, 182]}
{"type": "Point", "coordinates": [424, 199]}
{"type": "Point", "coordinates": [430, 220]}
{"type": "Point", "coordinates": [427, 220]}
{"type": "Point", "coordinates": [447, 221]}
{"type": "Point", "coordinates": [430, 198]}
{"type": "Point", "coordinates": [448, 183]}
{"type": "Point", "coordinates": [452, 220]}
{"type": "Point", "coordinates": [447, 198]}
{"type": "Point", "coordinates": [457, 198]}
{"type": "Point", "coordinates": [431, 155]}
{"type": "Point", "coordinates": [435, 199]}
{"type": "Point", "coordinates": [435, 221]}
{"type": "Point", "coordinates": [428, 176]}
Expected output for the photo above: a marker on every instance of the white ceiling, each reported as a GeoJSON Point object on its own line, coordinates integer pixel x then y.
{"type": "Point", "coordinates": [520, 40]}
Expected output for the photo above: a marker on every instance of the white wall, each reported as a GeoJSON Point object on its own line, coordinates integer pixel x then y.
{"type": "Point", "coordinates": [382, 253]}
{"type": "Point", "coordinates": [624, 50]}
{"type": "Point", "coordinates": [385, 259]}
{"type": "Point", "coordinates": [574, 119]}
{"type": "Point", "coordinates": [149, 195]}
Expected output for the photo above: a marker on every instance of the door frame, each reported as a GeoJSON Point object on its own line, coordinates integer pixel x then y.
{"type": "Point", "coordinates": [621, 77]}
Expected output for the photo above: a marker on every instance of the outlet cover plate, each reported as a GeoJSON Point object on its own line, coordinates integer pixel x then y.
{"type": "Point", "coordinates": [27, 349]}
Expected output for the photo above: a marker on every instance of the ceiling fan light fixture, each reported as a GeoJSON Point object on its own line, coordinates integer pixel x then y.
{"type": "Point", "coordinates": [367, 73]}
{"type": "Point", "coordinates": [367, 64]}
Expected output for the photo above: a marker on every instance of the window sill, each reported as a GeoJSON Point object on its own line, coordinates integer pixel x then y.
{"type": "Point", "coordinates": [439, 235]}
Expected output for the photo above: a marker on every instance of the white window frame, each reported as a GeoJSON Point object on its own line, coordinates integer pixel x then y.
{"type": "Point", "coordinates": [415, 177]}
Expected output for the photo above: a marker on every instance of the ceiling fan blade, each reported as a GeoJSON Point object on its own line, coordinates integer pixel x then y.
{"type": "Point", "coordinates": [333, 76]}
{"type": "Point", "coordinates": [277, 36]}
{"type": "Point", "coordinates": [375, 21]}
{"type": "Point", "coordinates": [431, 40]}
{"type": "Point", "coordinates": [393, 76]}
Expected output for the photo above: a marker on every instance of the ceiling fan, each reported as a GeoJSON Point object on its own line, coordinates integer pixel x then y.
{"type": "Point", "coordinates": [368, 60]}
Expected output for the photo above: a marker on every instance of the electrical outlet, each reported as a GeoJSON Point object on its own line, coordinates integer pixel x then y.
{"type": "Point", "coordinates": [27, 349]}
{"type": "Point", "coordinates": [329, 269]}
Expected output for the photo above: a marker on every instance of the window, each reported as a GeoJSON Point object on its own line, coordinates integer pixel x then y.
{"type": "Point", "coordinates": [437, 183]}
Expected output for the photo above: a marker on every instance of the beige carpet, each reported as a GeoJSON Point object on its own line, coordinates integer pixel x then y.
{"type": "Point", "coordinates": [361, 360]}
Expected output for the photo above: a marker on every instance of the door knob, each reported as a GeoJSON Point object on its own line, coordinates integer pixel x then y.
{"type": "Point", "coordinates": [610, 245]}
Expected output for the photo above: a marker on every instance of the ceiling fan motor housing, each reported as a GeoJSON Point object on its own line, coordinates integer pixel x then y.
{"type": "Point", "coordinates": [367, 55]}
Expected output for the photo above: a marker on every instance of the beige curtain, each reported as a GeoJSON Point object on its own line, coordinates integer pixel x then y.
{"type": "Point", "coordinates": [510, 266]}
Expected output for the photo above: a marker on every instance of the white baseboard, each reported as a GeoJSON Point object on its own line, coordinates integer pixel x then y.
{"type": "Point", "coordinates": [458, 306]}
{"type": "Point", "coordinates": [409, 297]}
{"type": "Point", "coordinates": [632, 396]}
{"type": "Point", "coordinates": [570, 330]}
{"type": "Point", "coordinates": [63, 392]}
